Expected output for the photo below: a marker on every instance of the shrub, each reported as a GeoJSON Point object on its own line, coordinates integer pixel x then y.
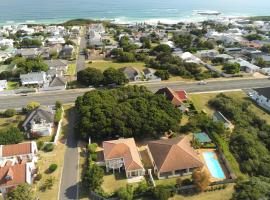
{"type": "Point", "coordinates": [52, 168]}
{"type": "Point", "coordinates": [38, 177]}
{"type": "Point", "coordinates": [11, 135]}
{"type": "Point", "coordinates": [9, 112]}
{"type": "Point", "coordinates": [92, 147]}
{"type": "Point", "coordinates": [94, 156]}
{"type": "Point", "coordinates": [40, 145]}
{"type": "Point", "coordinates": [186, 182]}
{"type": "Point", "coordinates": [48, 147]}
{"type": "Point", "coordinates": [30, 107]}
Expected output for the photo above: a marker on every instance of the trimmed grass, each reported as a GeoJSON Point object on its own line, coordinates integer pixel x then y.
{"type": "Point", "coordinates": [225, 194]}
{"type": "Point", "coordinates": [112, 182]}
{"type": "Point", "coordinates": [71, 69]}
{"type": "Point", "coordinates": [12, 85]}
{"type": "Point", "coordinates": [102, 65]}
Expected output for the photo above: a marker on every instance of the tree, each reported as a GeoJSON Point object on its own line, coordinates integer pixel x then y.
{"type": "Point", "coordinates": [26, 42]}
{"type": "Point", "coordinates": [232, 68]}
{"type": "Point", "coordinates": [31, 106]}
{"type": "Point", "coordinates": [146, 43]}
{"type": "Point", "coordinates": [126, 57]}
{"type": "Point", "coordinates": [183, 41]}
{"type": "Point", "coordinates": [10, 112]}
{"type": "Point", "coordinates": [125, 193]}
{"type": "Point", "coordinates": [163, 74]}
{"type": "Point", "coordinates": [21, 192]}
{"type": "Point", "coordinates": [161, 193]}
{"type": "Point", "coordinates": [201, 179]}
{"type": "Point", "coordinates": [265, 48]}
{"type": "Point", "coordinates": [90, 76]}
{"type": "Point", "coordinates": [93, 177]}
{"type": "Point", "coordinates": [11, 135]}
{"type": "Point", "coordinates": [261, 62]}
{"type": "Point", "coordinates": [123, 112]}
{"type": "Point", "coordinates": [162, 48]}
{"type": "Point", "coordinates": [254, 188]}
{"type": "Point", "coordinates": [253, 37]}
{"type": "Point", "coordinates": [114, 76]}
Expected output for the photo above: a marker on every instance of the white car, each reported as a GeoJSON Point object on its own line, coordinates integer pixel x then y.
{"type": "Point", "coordinates": [202, 83]}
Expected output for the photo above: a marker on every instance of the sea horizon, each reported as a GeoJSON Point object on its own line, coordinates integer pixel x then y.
{"type": "Point", "coordinates": [121, 11]}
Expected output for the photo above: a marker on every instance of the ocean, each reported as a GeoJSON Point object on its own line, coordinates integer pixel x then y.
{"type": "Point", "coordinates": [125, 11]}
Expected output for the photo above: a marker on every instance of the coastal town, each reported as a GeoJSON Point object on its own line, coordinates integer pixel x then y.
{"type": "Point", "coordinates": [98, 110]}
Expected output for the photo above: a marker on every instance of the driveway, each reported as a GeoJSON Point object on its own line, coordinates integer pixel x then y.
{"type": "Point", "coordinates": [70, 179]}
{"type": "Point", "coordinates": [81, 57]}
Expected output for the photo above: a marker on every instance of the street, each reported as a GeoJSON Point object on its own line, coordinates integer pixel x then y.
{"type": "Point", "coordinates": [69, 96]}
{"type": "Point", "coordinates": [69, 181]}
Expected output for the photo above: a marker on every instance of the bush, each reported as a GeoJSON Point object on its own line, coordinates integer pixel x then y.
{"type": "Point", "coordinates": [92, 147]}
{"type": "Point", "coordinates": [186, 182]}
{"type": "Point", "coordinates": [30, 107]}
{"type": "Point", "coordinates": [10, 112]}
{"type": "Point", "coordinates": [40, 145]}
{"type": "Point", "coordinates": [161, 193]}
{"type": "Point", "coordinates": [38, 177]}
{"type": "Point", "coordinates": [11, 135]}
{"type": "Point", "coordinates": [48, 147]}
{"type": "Point", "coordinates": [52, 168]}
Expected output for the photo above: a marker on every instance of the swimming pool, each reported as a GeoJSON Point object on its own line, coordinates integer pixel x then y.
{"type": "Point", "coordinates": [213, 165]}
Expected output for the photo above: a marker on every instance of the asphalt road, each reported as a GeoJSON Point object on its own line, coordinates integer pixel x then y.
{"type": "Point", "coordinates": [80, 64]}
{"type": "Point", "coordinates": [69, 181]}
{"type": "Point", "coordinates": [69, 96]}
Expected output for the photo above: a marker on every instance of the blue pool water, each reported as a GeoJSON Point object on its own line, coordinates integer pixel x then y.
{"type": "Point", "coordinates": [213, 165]}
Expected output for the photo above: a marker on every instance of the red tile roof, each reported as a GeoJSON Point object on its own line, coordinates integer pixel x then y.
{"type": "Point", "coordinates": [16, 149]}
{"type": "Point", "coordinates": [17, 174]}
{"type": "Point", "coordinates": [182, 95]}
{"type": "Point", "coordinates": [123, 148]}
{"type": "Point", "coordinates": [170, 95]}
{"type": "Point", "coordinates": [174, 154]}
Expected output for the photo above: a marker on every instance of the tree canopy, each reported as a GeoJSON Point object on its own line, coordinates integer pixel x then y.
{"type": "Point", "coordinates": [10, 135]}
{"type": "Point", "coordinates": [21, 192]}
{"type": "Point", "coordinates": [126, 112]}
{"type": "Point", "coordinates": [90, 76]}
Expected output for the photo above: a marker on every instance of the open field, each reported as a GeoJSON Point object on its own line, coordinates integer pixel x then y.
{"type": "Point", "coordinates": [102, 65]}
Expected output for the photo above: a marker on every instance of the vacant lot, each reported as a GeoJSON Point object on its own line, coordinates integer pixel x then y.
{"type": "Point", "coordinates": [102, 65]}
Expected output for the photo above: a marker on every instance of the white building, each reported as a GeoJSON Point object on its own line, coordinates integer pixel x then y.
{"type": "Point", "coordinates": [3, 85]}
{"type": "Point", "coordinates": [34, 78]}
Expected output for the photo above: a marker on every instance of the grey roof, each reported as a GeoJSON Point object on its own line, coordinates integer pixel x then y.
{"type": "Point", "coordinates": [40, 113]}
{"type": "Point", "coordinates": [58, 81]}
{"type": "Point", "coordinates": [220, 117]}
{"type": "Point", "coordinates": [264, 92]}
{"type": "Point", "coordinates": [130, 72]}
{"type": "Point", "coordinates": [27, 52]}
{"type": "Point", "coordinates": [148, 71]}
{"type": "Point", "coordinates": [56, 63]}
{"type": "Point", "coordinates": [33, 76]}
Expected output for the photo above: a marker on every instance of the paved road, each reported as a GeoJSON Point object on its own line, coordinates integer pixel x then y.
{"type": "Point", "coordinates": [69, 96]}
{"type": "Point", "coordinates": [80, 64]}
{"type": "Point", "coordinates": [69, 181]}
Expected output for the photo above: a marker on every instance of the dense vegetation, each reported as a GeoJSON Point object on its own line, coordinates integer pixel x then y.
{"type": "Point", "coordinates": [94, 77]}
{"type": "Point", "coordinates": [125, 112]}
{"type": "Point", "coordinates": [21, 192]}
{"type": "Point", "coordinates": [10, 135]}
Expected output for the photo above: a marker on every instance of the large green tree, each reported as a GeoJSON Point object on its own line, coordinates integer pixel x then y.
{"type": "Point", "coordinates": [127, 112]}
{"type": "Point", "coordinates": [21, 192]}
{"type": "Point", "coordinates": [114, 76]}
{"type": "Point", "coordinates": [10, 135]}
{"type": "Point", "coordinates": [90, 76]}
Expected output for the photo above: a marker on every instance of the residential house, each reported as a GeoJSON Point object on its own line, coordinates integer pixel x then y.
{"type": "Point", "coordinates": [4, 55]}
{"type": "Point", "coordinates": [40, 122]}
{"type": "Point", "coordinates": [262, 97]}
{"type": "Point", "coordinates": [219, 117]}
{"type": "Point", "coordinates": [28, 52]}
{"type": "Point", "coordinates": [132, 73]}
{"type": "Point", "coordinates": [99, 28]}
{"type": "Point", "coordinates": [176, 97]}
{"type": "Point", "coordinates": [94, 39]}
{"type": "Point", "coordinates": [18, 152]}
{"type": "Point", "coordinates": [246, 66]}
{"type": "Point", "coordinates": [67, 52]}
{"type": "Point", "coordinates": [190, 58]}
{"type": "Point", "coordinates": [207, 53]}
{"type": "Point", "coordinates": [149, 74]}
{"type": "Point", "coordinates": [3, 85]}
{"type": "Point", "coordinates": [225, 57]}
{"type": "Point", "coordinates": [123, 153]}
{"type": "Point", "coordinates": [60, 66]}
{"type": "Point", "coordinates": [14, 175]}
{"type": "Point", "coordinates": [6, 42]}
{"type": "Point", "coordinates": [55, 40]}
{"type": "Point", "coordinates": [173, 157]}
{"type": "Point", "coordinates": [56, 83]}
{"type": "Point", "coordinates": [34, 78]}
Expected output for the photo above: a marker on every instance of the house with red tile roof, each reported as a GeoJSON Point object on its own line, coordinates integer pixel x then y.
{"type": "Point", "coordinates": [23, 151]}
{"type": "Point", "coordinates": [14, 175]}
{"type": "Point", "coordinates": [173, 157]}
{"type": "Point", "coordinates": [123, 154]}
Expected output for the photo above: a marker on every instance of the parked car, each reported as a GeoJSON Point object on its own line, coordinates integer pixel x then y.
{"type": "Point", "coordinates": [202, 83]}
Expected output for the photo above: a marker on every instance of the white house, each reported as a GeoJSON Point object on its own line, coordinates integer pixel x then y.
{"type": "Point", "coordinates": [190, 58]}
{"type": "Point", "coordinates": [3, 85]}
{"type": "Point", "coordinates": [207, 53]}
{"type": "Point", "coordinates": [262, 97]}
{"type": "Point", "coordinates": [245, 65]}
{"type": "Point", "coordinates": [6, 42]}
{"type": "Point", "coordinates": [34, 78]}
{"type": "Point", "coordinates": [55, 40]}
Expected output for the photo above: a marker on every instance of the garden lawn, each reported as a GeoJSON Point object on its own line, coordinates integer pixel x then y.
{"type": "Point", "coordinates": [71, 69]}
{"type": "Point", "coordinates": [12, 85]}
{"type": "Point", "coordinates": [112, 182]}
{"type": "Point", "coordinates": [225, 194]}
{"type": "Point", "coordinates": [102, 65]}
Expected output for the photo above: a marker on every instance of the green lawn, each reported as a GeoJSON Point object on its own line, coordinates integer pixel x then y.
{"type": "Point", "coordinates": [71, 69]}
{"type": "Point", "coordinates": [112, 182]}
{"type": "Point", "coordinates": [102, 65]}
{"type": "Point", "coordinates": [12, 85]}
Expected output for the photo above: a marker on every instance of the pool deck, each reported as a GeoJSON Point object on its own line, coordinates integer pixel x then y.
{"type": "Point", "coordinates": [212, 179]}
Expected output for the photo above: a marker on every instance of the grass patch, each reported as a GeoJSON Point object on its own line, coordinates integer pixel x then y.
{"type": "Point", "coordinates": [225, 194]}
{"type": "Point", "coordinates": [102, 65]}
{"type": "Point", "coordinates": [113, 182]}
{"type": "Point", "coordinates": [169, 181]}
{"type": "Point", "coordinates": [11, 121]}
{"type": "Point", "coordinates": [71, 69]}
{"type": "Point", "coordinates": [12, 85]}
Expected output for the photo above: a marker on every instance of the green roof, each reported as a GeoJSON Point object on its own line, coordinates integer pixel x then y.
{"type": "Point", "coordinates": [202, 137]}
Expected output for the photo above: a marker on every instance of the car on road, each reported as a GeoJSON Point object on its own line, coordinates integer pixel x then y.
{"type": "Point", "coordinates": [202, 83]}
